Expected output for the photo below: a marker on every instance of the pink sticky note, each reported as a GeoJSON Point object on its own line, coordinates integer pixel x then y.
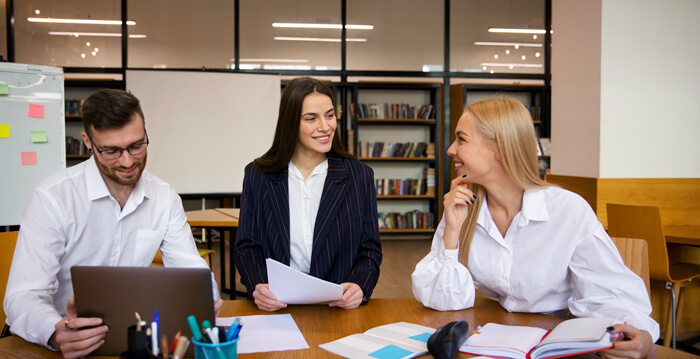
{"type": "Point", "coordinates": [36, 111]}
{"type": "Point", "coordinates": [28, 158]}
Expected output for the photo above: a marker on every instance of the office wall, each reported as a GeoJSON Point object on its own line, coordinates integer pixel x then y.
{"type": "Point", "coordinates": [576, 81]}
{"type": "Point", "coordinates": [650, 87]}
{"type": "Point", "coordinates": [625, 89]}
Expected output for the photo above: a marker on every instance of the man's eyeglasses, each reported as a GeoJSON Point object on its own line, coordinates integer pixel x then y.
{"type": "Point", "coordinates": [115, 153]}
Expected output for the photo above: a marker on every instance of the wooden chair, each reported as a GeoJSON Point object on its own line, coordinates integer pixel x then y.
{"type": "Point", "coordinates": [8, 240]}
{"type": "Point", "coordinates": [635, 255]}
{"type": "Point", "coordinates": [638, 221]}
{"type": "Point", "coordinates": [205, 253]}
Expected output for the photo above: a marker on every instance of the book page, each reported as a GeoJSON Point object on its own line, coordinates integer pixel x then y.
{"type": "Point", "coordinates": [397, 340]}
{"type": "Point", "coordinates": [503, 340]}
{"type": "Point", "coordinates": [579, 329]}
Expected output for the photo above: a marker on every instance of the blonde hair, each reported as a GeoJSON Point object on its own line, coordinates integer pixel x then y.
{"type": "Point", "coordinates": [506, 127]}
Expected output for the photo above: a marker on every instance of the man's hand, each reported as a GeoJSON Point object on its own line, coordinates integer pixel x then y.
{"type": "Point", "coordinates": [352, 297]}
{"type": "Point", "coordinates": [265, 300]}
{"type": "Point", "coordinates": [77, 337]}
{"type": "Point", "coordinates": [217, 307]}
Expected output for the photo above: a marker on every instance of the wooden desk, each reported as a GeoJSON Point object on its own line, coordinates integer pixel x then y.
{"type": "Point", "coordinates": [321, 324]}
{"type": "Point", "coordinates": [225, 223]}
{"type": "Point", "coordinates": [689, 235]}
{"type": "Point", "coordinates": [232, 212]}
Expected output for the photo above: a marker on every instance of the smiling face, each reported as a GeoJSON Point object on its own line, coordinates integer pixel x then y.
{"type": "Point", "coordinates": [470, 152]}
{"type": "Point", "coordinates": [317, 127]}
{"type": "Point", "coordinates": [125, 170]}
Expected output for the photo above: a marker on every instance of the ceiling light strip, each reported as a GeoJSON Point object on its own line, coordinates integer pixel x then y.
{"type": "Point", "coordinates": [273, 60]}
{"type": "Point", "coordinates": [107, 34]}
{"type": "Point", "coordinates": [321, 26]}
{"type": "Point", "coordinates": [79, 21]}
{"type": "Point", "coordinates": [487, 43]}
{"type": "Point", "coordinates": [321, 39]}
{"type": "Point", "coordinates": [508, 65]}
{"type": "Point", "coordinates": [516, 31]}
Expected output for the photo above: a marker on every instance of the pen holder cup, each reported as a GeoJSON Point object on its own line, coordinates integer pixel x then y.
{"type": "Point", "coordinates": [136, 344]}
{"type": "Point", "coordinates": [226, 350]}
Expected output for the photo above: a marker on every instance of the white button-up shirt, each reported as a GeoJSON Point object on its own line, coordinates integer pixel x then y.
{"type": "Point", "coordinates": [72, 219]}
{"type": "Point", "coordinates": [304, 200]}
{"type": "Point", "coordinates": [555, 255]}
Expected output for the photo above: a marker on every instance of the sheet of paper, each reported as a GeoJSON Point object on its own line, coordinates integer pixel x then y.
{"type": "Point", "coordinates": [4, 131]}
{"type": "Point", "coordinates": [267, 333]}
{"type": "Point", "coordinates": [29, 159]}
{"type": "Point", "coordinates": [36, 111]}
{"type": "Point", "coordinates": [294, 287]}
{"type": "Point", "coordinates": [38, 136]}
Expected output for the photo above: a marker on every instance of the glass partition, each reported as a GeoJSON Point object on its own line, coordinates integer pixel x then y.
{"type": "Point", "coordinates": [3, 31]}
{"type": "Point", "coordinates": [497, 36]}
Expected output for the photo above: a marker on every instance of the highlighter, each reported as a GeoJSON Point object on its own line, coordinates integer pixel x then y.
{"type": "Point", "coordinates": [194, 327]}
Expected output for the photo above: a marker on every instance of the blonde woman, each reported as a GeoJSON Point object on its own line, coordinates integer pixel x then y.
{"type": "Point", "coordinates": [535, 247]}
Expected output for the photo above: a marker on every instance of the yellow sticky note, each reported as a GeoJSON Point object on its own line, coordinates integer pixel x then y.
{"type": "Point", "coordinates": [38, 136]}
{"type": "Point", "coordinates": [4, 131]}
{"type": "Point", "coordinates": [4, 89]}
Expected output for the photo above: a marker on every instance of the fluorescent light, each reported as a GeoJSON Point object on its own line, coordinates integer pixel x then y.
{"type": "Point", "coordinates": [322, 39]}
{"type": "Point", "coordinates": [508, 65]}
{"type": "Point", "coordinates": [486, 43]}
{"type": "Point", "coordinates": [272, 60]}
{"type": "Point", "coordinates": [79, 21]}
{"type": "Point", "coordinates": [107, 34]}
{"type": "Point", "coordinates": [286, 67]}
{"type": "Point", "coordinates": [321, 26]}
{"type": "Point", "coordinates": [516, 31]}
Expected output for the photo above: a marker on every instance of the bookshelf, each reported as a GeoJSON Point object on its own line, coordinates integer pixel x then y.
{"type": "Point", "coordinates": [77, 89]}
{"type": "Point", "coordinates": [534, 97]}
{"type": "Point", "coordinates": [395, 129]}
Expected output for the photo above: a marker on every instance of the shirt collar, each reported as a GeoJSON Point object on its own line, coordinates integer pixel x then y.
{"type": "Point", "coordinates": [534, 209]}
{"type": "Point", "coordinates": [97, 188]}
{"type": "Point", "coordinates": [320, 168]}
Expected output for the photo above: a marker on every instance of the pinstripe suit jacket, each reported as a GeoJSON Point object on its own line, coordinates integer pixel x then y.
{"type": "Point", "coordinates": [346, 246]}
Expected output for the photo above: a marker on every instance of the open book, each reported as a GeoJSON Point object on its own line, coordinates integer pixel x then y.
{"type": "Point", "coordinates": [397, 340]}
{"type": "Point", "coordinates": [570, 337]}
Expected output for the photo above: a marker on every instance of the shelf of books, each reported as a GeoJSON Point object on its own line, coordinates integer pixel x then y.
{"type": "Point", "coordinates": [394, 129]}
{"type": "Point", "coordinates": [76, 91]}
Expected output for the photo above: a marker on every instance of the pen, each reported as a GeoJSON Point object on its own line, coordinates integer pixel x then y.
{"type": "Point", "coordinates": [194, 327]}
{"type": "Point", "coordinates": [237, 331]}
{"type": "Point", "coordinates": [231, 330]}
{"type": "Point", "coordinates": [138, 322]}
{"type": "Point", "coordinates": [215, 334]}
{"type": "Point", "coordinates": [180, 348]}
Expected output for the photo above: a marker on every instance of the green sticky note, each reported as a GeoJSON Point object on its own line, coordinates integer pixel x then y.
{"type": "Point", "coordinates": [39, 136]}
{"type": "Point", "coordinates": [4, 89]}
{"type": "Point", "coordinates": [4, 131]}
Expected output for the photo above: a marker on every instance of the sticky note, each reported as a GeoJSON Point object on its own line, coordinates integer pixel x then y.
{"type": "Point", "coordinates": [36, 111]}
{"type": "Point", "coordinates": [390, 352]}
{"type": "Point", "coordinates": [4, 89]}
{"type": "Point", "coordinates": [4, 131]}
{"type": "Point", "coordinates": [421, 337]}
{"type": "Point", "coordinates": [38, 136]}
{"type": "Point", "coordinates": [28, 158]}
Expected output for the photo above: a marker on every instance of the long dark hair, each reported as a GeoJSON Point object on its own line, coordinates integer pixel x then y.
{"type": "Point", "coordinates": [288, 122]}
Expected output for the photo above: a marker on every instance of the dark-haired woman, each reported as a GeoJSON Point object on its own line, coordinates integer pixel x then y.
{"type": "Point", "coordinates": [309, 204]}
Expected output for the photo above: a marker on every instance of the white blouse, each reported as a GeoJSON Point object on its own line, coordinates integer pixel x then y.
{"type": "Point", "coordinates": [304, 200]}
{"type": "Point", "coordinates": [555, 255]}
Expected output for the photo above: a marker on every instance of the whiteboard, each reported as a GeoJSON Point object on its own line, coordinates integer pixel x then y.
{"type": "Point", "coordinates": [34, 102]}
{"type": "Point", "coordinates": [205, 127]}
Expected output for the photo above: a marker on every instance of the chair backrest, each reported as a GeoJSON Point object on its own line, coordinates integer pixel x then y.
{"type": "Point", "coordinates": [8, 240]}
{"type": "Point", "coordinates": [635, 254]}
{"type": "Point", "coordinates": [639, 221]}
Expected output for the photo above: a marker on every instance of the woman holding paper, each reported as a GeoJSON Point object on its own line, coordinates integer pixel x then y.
{"type": "Point", "coordinates": [535, 247]}
{"type": "Point", "coordinates": [309, 204]}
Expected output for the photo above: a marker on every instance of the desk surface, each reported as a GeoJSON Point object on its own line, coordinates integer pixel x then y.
{"type": "Point", "coordinates": [683, 235]}
{"type": "Point", "coordinates": [210, 218]}
{"type": "Point", "coordinates": [321, 324]}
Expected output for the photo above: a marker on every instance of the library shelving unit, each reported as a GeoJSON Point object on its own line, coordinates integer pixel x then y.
{"type": "Point", "coordinates": [77, 89]}
{"type": "Point", "coordinates": [388, 125]}
{"type": "Point", "coordinates": [534, 97]}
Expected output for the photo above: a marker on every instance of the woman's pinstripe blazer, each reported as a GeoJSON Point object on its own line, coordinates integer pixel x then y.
{"type": "Point", "coordinates": [346, 246]}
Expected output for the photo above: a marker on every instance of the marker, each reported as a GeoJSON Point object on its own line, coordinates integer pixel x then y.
{"type": "Point", "coordinates": [180, 348]}
{"type": "Point", "coordinates": [194, 327]}
{"type": "Point", "coordinates": [154, 338]}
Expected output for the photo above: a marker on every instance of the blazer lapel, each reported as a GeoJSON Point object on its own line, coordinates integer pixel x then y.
{"type": "Point", "coordinates": [278, 203]}
{"type": "Point", "coordinates": [334, 190]}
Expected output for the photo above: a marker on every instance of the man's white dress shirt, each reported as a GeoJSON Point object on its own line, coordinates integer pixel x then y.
{"type": "Point", "coordinates": [72, 219]}
{"type": "Point", "coordinates": [555, 255]}
{"type": "Point", "coordinates": [304, 200]}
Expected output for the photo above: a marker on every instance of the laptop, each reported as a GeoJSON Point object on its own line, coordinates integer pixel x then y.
{"type": "Point", "coordinates": [116, 293]}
